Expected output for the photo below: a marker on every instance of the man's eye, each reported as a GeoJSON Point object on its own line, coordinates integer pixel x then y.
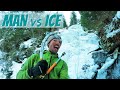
{"type": "Point", "coordinates": [55, 40]}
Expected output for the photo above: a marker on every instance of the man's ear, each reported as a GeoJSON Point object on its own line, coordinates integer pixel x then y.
{"type": "Point", "coordinates": [48, 45]}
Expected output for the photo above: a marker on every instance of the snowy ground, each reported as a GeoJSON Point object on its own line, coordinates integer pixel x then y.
{"type": "Point", "coordinates": [76, 44]}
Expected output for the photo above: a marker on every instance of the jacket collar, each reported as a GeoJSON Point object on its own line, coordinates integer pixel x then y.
{"type": "Point", "coordinates": [50, 53]}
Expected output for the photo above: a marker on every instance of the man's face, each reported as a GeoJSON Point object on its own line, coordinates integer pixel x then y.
{"type": "Point", "coordinates": [54, 45]}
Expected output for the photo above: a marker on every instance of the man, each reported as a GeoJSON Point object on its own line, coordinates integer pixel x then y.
{"type": "Point", "coordinates": [34, 67]}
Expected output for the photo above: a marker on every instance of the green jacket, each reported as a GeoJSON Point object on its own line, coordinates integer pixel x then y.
{"type": "Point", "coordinates": [60, 71]}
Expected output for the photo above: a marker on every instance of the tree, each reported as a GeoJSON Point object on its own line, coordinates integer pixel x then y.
{"type": "Point", "coordinates": [64, 23]}
{"type": "Point", "coordinates": [94, 20]}
{"type": "Point", "coordinates": [73, 18]}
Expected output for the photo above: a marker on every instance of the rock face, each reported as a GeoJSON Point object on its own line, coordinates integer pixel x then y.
{"type": "Point", "coordinates": [110, 36]}
{"type": "Point", "coordinates": [107, 59]}
{"type": "Point", "coordinates": [99, 57]}
{"type": "Point", "coordinates": [112, 71]}
{"type": "Point", "coordinates": [115, 71]}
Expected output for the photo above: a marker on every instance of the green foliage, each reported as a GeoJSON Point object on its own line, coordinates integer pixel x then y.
{"type": "Point", "coordinates": [73, 18]}
{"type": "Point", "coordinates": [94, 20]}
{"type": "Point", "coordinates": [64, 23]}
{"type": "Point", "coordinates": [12, 38]}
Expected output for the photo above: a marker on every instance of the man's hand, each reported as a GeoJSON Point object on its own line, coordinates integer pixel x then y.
{"type": "Point", "coordinates": [40, 68]}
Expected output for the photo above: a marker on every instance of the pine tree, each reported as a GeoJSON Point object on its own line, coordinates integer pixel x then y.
{"type": "Point", "coordinates": [73, 18]}
{"type": "Point", "coordinates": [94, 20]}
{"type": "Point", "coordinates": [64, 23]}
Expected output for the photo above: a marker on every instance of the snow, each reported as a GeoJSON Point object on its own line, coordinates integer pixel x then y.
{"type": "Point", "coordinates": [1, 40]}
{"type": "Point", "coordinates": [15, 68]}
{"type": "Point", "coordinates": [118, 14]}
{"type": "Point", "coordinates": [77, 44]}
{"type": "Point", "coordinates": [0, 54]}
{"type": "Point", "coordinates": [111, 26]}
{"type": "Point", "coordinates": [2, 76]}
{"type": "Point", "coordinates": [111, 34]}
{"type": "Point", "coordinates": [102, 73]}
{"type": "Point", "coordinates": [28, 43]}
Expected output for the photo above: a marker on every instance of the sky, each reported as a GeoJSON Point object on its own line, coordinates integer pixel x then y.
{"type": "Point", "coordinates": [67, 15]}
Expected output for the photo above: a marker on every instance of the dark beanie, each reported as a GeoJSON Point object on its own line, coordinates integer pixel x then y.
{"type": "Point", "coordinates": [54, 36]}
